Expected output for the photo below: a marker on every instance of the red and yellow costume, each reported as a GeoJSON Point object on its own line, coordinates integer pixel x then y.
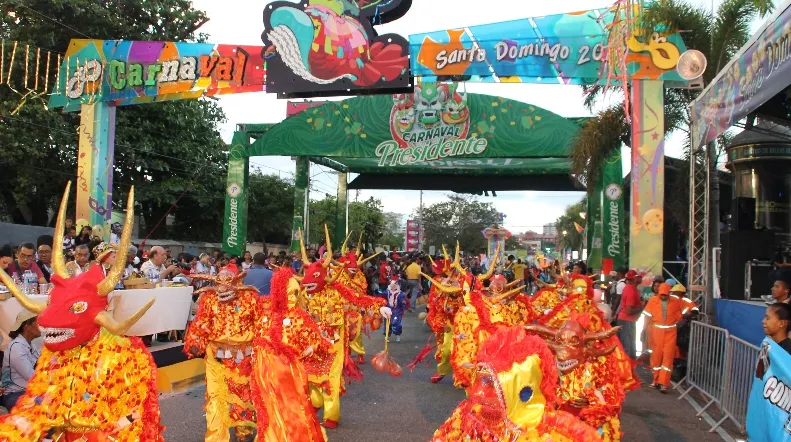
{"type": "Point", "coordinates": [289, 346]}
{"type": "Point", "coordinates": [512, 397]}
{"type": "Point", "coordinates": [353, 278]}
{"type": "Point", "coordinates": [442, 307]}
{"type": "Point", "coordinates": [91, 383]}
{"type": "Point", "coordinates": [223, 331]}
{"type": "Point", "coordinates": [327, 302]}
{"type": "Point", "coordinates": [662, 332]}
{"type": "Point", "coordinates": [589, 387]}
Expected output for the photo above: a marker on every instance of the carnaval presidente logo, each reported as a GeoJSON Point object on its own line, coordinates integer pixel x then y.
{"type": "Point", "coordinates": [429, 125]}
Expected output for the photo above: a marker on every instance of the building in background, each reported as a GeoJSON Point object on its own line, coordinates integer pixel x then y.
{"type": "Point", "coordinates": [550, 229]}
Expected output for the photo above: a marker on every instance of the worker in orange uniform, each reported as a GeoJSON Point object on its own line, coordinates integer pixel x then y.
{"type": "Point", "coordinates": [662, 315]}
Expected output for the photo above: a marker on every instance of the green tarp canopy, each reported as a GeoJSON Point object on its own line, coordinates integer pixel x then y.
{"type": "Point", "coordinates": [438, 139]}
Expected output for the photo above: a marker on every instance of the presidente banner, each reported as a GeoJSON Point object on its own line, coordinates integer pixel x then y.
{"type": "Point", "coordinates": [134, 72]}
{"type": "Point", "coordinates": [555, 49]}
{"type": "Point", "coordinates": [612, 213]}
{"type": "Point", "coordinates": [769, 406]}
{"type": "Point", "coordinates": [760, 71]}
{"type": "Point", "coordinates": [234, 237]}
{"type": "Point", "coordinates": [435, 125]}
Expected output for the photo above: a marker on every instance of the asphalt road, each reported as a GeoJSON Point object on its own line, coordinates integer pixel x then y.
{"type": "Point", "coordinates": [410, 408]}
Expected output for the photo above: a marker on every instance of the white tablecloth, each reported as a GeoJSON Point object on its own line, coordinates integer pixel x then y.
{"type": "Point", "coordinates": [8, 311]}
{"type": "Point", "coordinates": [170, 311]}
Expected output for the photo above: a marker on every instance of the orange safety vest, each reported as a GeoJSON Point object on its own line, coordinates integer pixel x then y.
{"type": "Point", "coordinates": [689, 305]}
{"type": "Point", "coordinates": [675, 310]}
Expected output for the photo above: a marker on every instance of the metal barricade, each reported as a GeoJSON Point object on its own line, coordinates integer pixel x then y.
{"type": "Point", "coordinates": [740, 370]}
{"type": "Point", "coordinates": [706, 363]}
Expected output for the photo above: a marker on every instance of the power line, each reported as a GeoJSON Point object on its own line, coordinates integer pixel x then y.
{"type": "Point", "coordinates": [55, 21]}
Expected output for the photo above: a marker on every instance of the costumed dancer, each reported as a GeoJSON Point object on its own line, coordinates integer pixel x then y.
{"type": "Point", "coordinates": [662, 313]}
{"type": "Point", "coordinates": [590, 386]}
{"type": "Point", "coordinates": [512, 397]}
{"type": "Point", "coordinates": [354, 278]}
{"type": "Point", "coordinates": [289, 346]}
{"type": "Point", "coordinates": [327, 302]}
{"type": "Point", "coordinates": [396, 302]}
{"type": "Point", "coordinates": [223, 332]}
{"type": "Point", "coordinates": [442, 307]}
{"type": "Point", "coordinates": [91, 383]}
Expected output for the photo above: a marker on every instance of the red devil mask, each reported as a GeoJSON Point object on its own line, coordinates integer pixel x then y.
{"type": "Point", "coordinates": [315, 276]}
{"type": "Point", "coordinates": [571, 345]}
{"type": "Point", "coordinates": [227, 283]}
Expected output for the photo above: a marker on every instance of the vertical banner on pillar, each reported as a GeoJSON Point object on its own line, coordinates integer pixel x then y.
{"type": "Point", "coordinates": [595, 252]}
{"type": "Point", "coordinates": [612, 213]}
{"type": "Point", "coordinates": [593, 214]}
{"type": "Point", "coordinates": [412, 235]}
{"type": "Point", "coordinates": [94, 166]}
{"type": "Point", "coordinates": [648, 176]}
{"type": "Point", "coordinates": [301, 195]}
{"type": "Point", "coordinates": [234, 239]}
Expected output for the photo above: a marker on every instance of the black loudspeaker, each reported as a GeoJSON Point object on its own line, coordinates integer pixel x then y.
{"type": "Point", "coordinates": [739, 247]}
{"type": "Point", "coordinates": [743, 213]}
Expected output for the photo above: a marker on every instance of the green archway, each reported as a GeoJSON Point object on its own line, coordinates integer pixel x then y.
{"type": "Point", "coordinates": [436, 139]}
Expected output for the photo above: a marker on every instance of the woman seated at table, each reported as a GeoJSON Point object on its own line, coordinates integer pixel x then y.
{"type": "Point", "coordinates": [19, 359]}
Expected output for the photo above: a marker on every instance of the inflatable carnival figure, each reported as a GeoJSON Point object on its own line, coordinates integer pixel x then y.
{"type": "Point", "coordinates": [354, 278]}
{"type": "Point", "coordinates": [91, 383]}
{"type": "Point", "coordinates": [590, 384]}
{"type": "Point", "coordinates": [327, 302]}
{"type": "Point", "coordinates": [223, 332]}
{"type": "Point", "coordinates": [512, 398]}
{"type": "Point", "coordinates": [289, 346]}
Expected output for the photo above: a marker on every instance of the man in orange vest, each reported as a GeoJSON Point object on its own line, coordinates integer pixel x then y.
{"type": "Point", "coordinates": [662, 315]}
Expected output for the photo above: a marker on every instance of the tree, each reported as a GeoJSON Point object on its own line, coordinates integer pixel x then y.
{"type": "Point", "coordinates": [323, 212]}
{"type": "Point", "coordinates": [459, 218]}
{"type": "Point", "coordinates": [513, 243]}
{"type": "Point", "coordinates": [364, 216]}
{"type": "Point", "coordinates": [271, 209]}
{"type": "Point", "coordinates": [164, 149]}
{"type": "Point", "coordinates": [568, 236]}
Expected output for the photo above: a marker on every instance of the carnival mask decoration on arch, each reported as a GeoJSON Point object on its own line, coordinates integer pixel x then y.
{"type": "Point", "coordinates": [76, 310]}
{"type": "Point", "coordinates": [325, 47]}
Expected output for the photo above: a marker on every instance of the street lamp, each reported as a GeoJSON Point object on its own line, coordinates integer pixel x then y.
{"type": "Point", "coordinates": [565, 233]}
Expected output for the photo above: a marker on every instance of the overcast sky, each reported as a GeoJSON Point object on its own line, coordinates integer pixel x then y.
{"type": "Point", "coordinates": [241, 22]}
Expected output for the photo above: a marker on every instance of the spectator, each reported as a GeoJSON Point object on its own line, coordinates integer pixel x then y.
{"type": "Point", "coordinates": [6, 257]}
{"type": "Point", "coordinates": [45, 260]}
{"type": "Point", "coordinates": [519, 270]}
{"type": "Point", "coordinates": [19, 360]}
{"type": "Point", "coordinates": [26, 261]}
{"type": "Point", "coordinates": [81, 263]}
{"type": "Point", "coordinates": [247, 260]}
{"type": "Point", "coordinates": [155, 267]}
{"type": "Point", "coordinates": [579, 268]}
{"type": "Point", "coordinates": [776, 324]}
{"type": "Point", "coordinates": [85, 237]}
{"type": "Point", "coordinates": [616, 289]}
{"type": "Point", "coordinates": [781, 288]}
{"type": "Point", "coordinates": [631, 307]}
{"type": "Point", "coordinates": [413, 283]}
{"type": "Point", "coordinates": [259, 276]}
{"type": "Point", "coordinates": [115, 233]}
{"type": "Point", "coordinates": [131, 261]}
{"type": "Point", "coordinates": [69, 241]}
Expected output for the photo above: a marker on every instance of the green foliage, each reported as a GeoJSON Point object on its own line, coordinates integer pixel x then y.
{"type": "Point", "coordinates": [163, 149]}
{"type": "Point", "coordinates": [459, 218]}
{"type": "Point", "coordinates": [270, 209]}
{"type": "Point", "coordinates": [513, 243]}
{"type": "Point", "coordinates": [364, 216]}
{"type": "Point", "coordinates": [572, 238]}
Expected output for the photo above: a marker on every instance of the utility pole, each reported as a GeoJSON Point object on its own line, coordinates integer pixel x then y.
{"type": "Point", "coordinates": [420, 214]}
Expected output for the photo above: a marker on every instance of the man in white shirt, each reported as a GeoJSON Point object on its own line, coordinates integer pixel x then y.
{"type": "Point", "coordinates": [156, 264]}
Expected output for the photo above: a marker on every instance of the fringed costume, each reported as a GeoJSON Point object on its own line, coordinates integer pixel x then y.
{"type": "Point", "coordinates": [91, 383]}
{"type": "Point", "coordinates": [223, 331]}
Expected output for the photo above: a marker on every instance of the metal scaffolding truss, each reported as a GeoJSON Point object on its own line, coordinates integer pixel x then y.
{"type": "Point", "coordinates": [699, 254]}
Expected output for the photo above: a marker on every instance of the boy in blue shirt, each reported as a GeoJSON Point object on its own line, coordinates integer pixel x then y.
{"type": "Point", "coordinates": [396, 300]}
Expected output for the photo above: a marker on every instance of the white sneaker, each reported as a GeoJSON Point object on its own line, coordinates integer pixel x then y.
{"type": "Point", "coordinates": [398, 338]}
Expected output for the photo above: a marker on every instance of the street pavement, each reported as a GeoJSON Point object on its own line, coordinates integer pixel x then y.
{"type": "Point", "coordinates": [409, 408]}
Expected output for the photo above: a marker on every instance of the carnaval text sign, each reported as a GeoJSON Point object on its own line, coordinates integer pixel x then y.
{"type": "Point", "coordinates": [555, 49]}
{"type": "Point", "coordinates": [438, 127]}
{"type": "Point", "coordinates": [613, 214]}
{"type": "Point", "coordinates": [315, 48]}
{"type": "Point", "coordinates": [134, 72]}
{"type": "Point", "coordinates": [769, 407]}
{"type": "Point", "coordinates": [760, 71]}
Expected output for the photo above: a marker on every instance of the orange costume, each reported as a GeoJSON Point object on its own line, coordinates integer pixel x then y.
{"type": "Point", "coordinates": [442, 307]}
{"type": "Point", "coordinates": [512, 397]}
{"type": "Point", "coordinates": [288, 348]}
{"type": "Point", "coordinates": [661, 321]}
{"type": "Point", "coordinates": [223, 331]}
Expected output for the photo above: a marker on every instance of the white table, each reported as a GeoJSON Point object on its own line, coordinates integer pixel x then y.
{"type": "Point", "coordinates": [170, 311]}
{"type": "Point", "coordinates": [8, 311]}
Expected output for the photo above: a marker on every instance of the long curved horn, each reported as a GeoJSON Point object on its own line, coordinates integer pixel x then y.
{"type": "Point", "coordinates": [58, 261]}
{"type": "Point", "coordinates": [445, 252]}
{"type": "Point", "coordinates": [116, 272]}
{"type": "Point", "coordinates": [432, 261]}
{"type": "Point", "coordinates": [119, 328]}
{"type": "Point", "coordinates": [602, 352]}
{"type": "Point", "coordinates": [513, 283]}
{"type": "Point", "coordinates": [24, 301]}
{"type": "Point", "coordinates": [492, 265]}
{"type": "Point", "coordinates": [598, 336]}
{"type": "Point", "coordinates": [443, 288]}
{"type": "Point", "coordinates": [360, 243]}
{"type": "Point", "coordinates": [344, 250]}
{"type": "Point", "coordinates": [503, 296]}
{"type": "Point", "coordinates": [305, 259]}
{"type": "Point", "coordinates": [328, 259]}
{"type": "Point", "coordinates": [540, 330]}
{"type": "Point", "coordinates": [363, 261]}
